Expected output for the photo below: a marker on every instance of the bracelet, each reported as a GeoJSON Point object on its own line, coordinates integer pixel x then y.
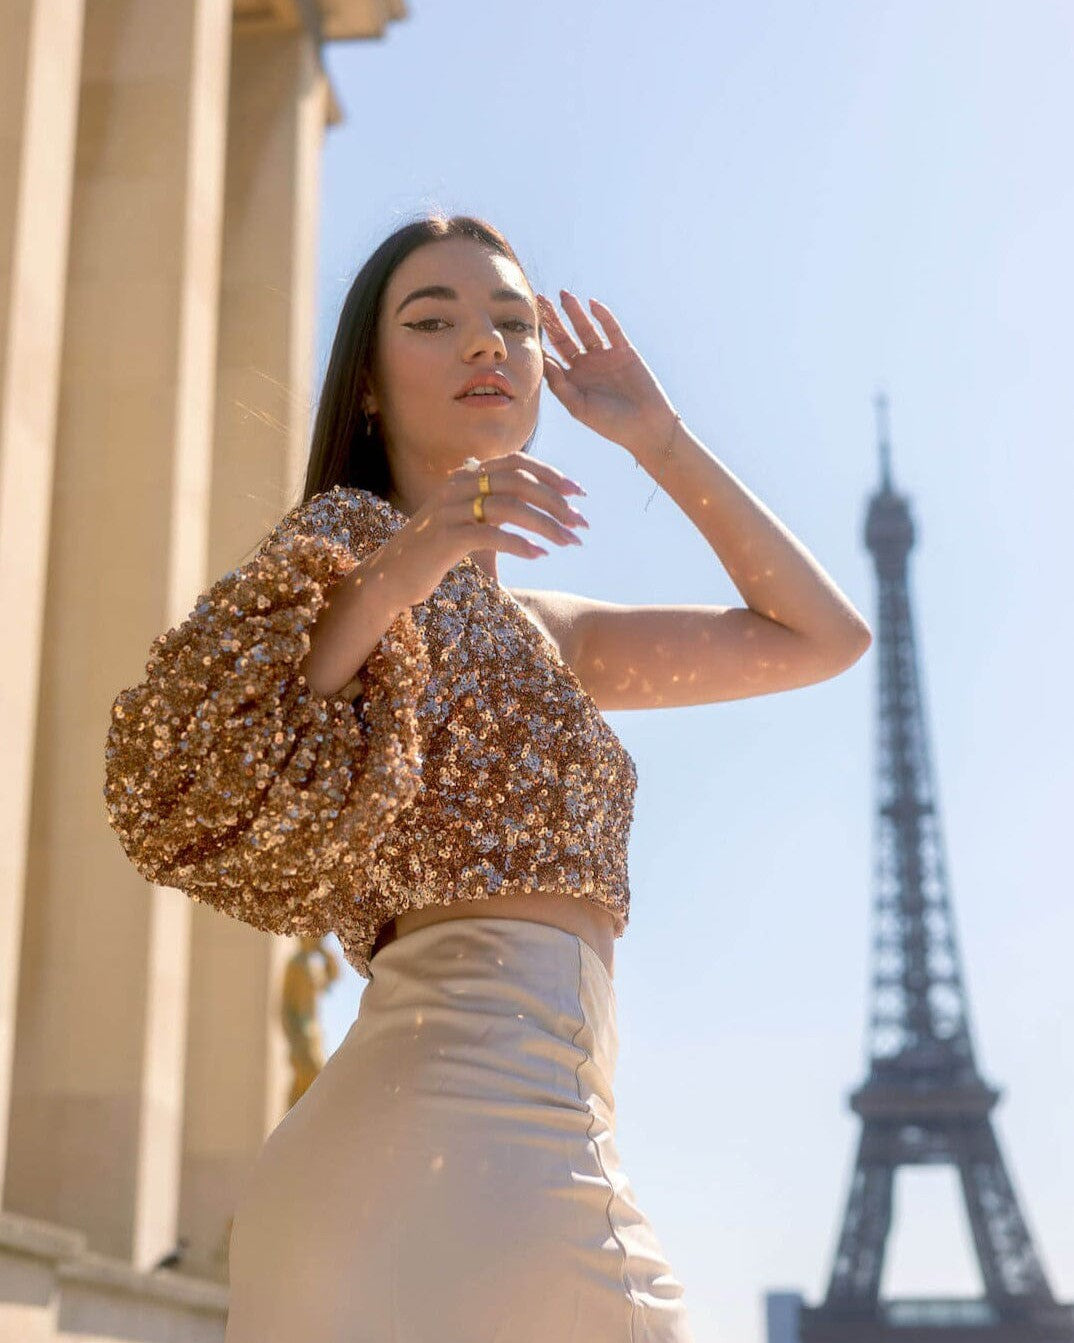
{"type": "Point", "coordinates": [667, 455]}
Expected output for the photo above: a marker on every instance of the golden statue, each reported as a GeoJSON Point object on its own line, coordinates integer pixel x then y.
{"type": "Point", "coordinates": [309, 972]}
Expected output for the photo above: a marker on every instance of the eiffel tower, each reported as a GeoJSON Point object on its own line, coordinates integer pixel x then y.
{"type": "Point", "coordinates": [924, 1101]}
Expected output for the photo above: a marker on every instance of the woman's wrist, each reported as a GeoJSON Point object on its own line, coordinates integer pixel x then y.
{"type": "Point", "coordinates": [655, 448]}
{"type": "Point", "coordinates": [657, 460]}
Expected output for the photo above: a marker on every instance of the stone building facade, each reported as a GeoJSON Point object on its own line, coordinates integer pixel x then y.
{"type": "Point", "coordinates": [159, 184]}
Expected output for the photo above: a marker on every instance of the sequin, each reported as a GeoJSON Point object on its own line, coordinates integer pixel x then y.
{"type": "Point", "coordinates": [471, 762]}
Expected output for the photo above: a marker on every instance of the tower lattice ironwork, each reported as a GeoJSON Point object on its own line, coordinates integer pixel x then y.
{"type": "Point", "coordinates": [924, 1101]}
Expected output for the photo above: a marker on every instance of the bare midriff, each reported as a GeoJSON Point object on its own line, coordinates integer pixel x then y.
{"type": "Point", "coordinates": [590, 921]}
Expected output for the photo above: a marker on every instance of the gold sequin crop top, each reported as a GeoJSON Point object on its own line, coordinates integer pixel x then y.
{"type": "Point", "coordinates": [471, 761]}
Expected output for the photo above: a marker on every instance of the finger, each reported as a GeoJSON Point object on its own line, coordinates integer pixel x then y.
{"type": "Point", "coordinates": [542, 495]}
{"type": "Point", "coordinates": [561, 387]}
{"type": "Point", "coordinates": [562, 341]}
{"type": "Point", "coordinates": [616, 335]}
{"type": "Point", "coordinates": [497, 539]}
{"type": "Point", "coordinates": [510, 508]}
{"type": "Point", "coordinates": [590, 336]}
{"type": "Point", "coordinates": [525, 461]}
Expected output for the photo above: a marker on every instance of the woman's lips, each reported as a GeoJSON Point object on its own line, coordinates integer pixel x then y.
{"type": "Point", "coordinates": [484, 399]}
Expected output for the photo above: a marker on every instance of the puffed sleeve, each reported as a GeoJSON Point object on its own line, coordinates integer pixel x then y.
{"type": "Point", "coordinates": [227, 778]}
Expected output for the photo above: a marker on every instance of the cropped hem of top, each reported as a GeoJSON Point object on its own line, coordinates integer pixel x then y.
{"type": "Point", "coordinates": [471, 761]}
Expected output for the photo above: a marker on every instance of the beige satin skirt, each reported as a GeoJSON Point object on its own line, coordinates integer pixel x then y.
{"type": "Point", "coordinates": [452, 1176]}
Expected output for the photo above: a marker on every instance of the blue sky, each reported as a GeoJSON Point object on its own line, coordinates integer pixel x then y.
{"type": "Point", "coordinates": [787, 207]}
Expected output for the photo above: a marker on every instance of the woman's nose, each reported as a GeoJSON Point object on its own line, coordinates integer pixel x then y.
{"type": "Point", "coordinates": [486, 340]}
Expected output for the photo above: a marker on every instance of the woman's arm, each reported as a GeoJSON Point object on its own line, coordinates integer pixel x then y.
{"type": "Point", "coordinates": [796, 627]}
{"type": "Point", "coordinates": [228, 777]}
{"type": "Point", "coordinates": [777, 576]}
{"type": "Point", "coordinates": [359, 610]}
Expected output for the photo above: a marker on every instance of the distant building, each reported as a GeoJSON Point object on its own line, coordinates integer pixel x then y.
{"type": "Point", "coordinates": [781, 1311]}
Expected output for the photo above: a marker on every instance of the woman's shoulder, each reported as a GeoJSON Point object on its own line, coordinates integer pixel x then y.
{"type": "Point", "coordinates": [349, 513]}
{"type": "Point", "coordinates": [338, 499]}
{"type": "Point", "coordinates": [555, 615]}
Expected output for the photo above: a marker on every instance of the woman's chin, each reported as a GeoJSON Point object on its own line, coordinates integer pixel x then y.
{"type": "Point", "coordinates": [486, 450]}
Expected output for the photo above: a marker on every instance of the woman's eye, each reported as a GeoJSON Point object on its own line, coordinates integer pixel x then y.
{"type": "Point", "coordinates": [513, 321]}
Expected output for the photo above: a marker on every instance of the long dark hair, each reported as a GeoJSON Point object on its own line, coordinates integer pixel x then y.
{"type": "Point", "coordinates": [341, 452]}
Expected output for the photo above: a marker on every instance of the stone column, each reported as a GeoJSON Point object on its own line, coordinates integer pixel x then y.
{"type": "Point", "coordinates": [97, 1107]}
{"type": "Point", "coordinates": [236, 1060]}
{"type": "Point", "coordinates": [39, 76]}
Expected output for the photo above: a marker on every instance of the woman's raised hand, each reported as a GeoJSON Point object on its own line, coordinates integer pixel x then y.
{"type": "Point", "coordinates": [609, 388]}
{"type": "Point", "coordinates": [526, 493]}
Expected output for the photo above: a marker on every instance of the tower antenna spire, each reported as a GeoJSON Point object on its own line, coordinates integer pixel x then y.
{"type": "Point", "coordinates": [883, 437]}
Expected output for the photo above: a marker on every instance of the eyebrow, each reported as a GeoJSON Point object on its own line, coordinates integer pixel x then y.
{"type": "Point", "coordinates": [444, 291]}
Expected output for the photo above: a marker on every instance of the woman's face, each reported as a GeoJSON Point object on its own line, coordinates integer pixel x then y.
{"type": "Point", "coordinates": [429, 347]}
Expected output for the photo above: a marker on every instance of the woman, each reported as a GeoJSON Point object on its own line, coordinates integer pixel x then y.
{"type": "Point", "coordinates": [362, 731]}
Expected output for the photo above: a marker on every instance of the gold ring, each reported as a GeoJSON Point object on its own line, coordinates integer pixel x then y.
{"type": "Point", "coordinates": [483, 485]}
